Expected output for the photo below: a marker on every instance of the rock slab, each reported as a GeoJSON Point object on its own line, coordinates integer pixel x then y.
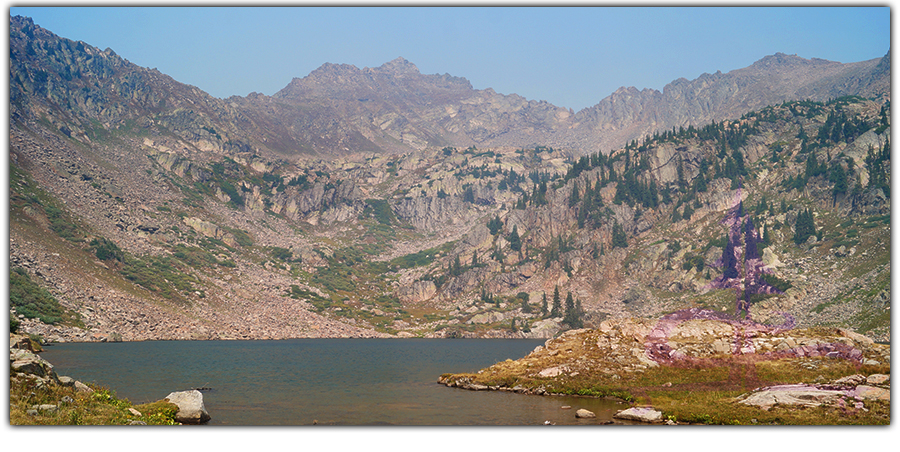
{"type": "Point", "coordinates": [799, 394]}
{"type": "Point", "coordinates": [640, 414]}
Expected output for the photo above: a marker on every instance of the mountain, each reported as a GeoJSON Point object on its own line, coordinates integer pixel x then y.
{"type": "Point", "coordinates": [629, 114]}
{"type": "Point", "coordinates": [382, 202]}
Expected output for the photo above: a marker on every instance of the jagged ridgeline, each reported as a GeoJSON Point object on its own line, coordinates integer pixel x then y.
{"type": "Point", "coordinates": [150, 210]}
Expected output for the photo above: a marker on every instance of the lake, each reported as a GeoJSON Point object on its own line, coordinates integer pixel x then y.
{"type": "Point", "coordinates": [328, 381]}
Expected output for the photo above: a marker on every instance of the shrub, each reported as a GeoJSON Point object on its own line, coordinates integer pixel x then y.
{"type": "Point", "coordinates": [106, 249]}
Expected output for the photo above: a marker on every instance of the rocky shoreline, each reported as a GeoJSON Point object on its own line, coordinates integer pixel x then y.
{"type": "Point", "coordinates": [622, 352]}
{"type": "Point", "coordinates": [27, 367]}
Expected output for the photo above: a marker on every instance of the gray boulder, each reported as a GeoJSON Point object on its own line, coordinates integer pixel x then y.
{"type": "Point", "coordinates": [26, 362]}
{"type": "Point", "coordinates": [191, 409]}
{"type": "Point", "coordinates": [640, 414]}
{"type": "Point", "coordinates": [583, 413]}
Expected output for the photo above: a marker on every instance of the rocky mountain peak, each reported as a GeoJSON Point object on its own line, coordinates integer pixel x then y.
{"type": "Point", "coordinates": [397, 66]}
{"type": "Point", "coordinates": [784, 61]}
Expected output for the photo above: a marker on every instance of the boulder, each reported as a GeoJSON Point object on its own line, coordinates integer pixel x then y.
{"type": "Point", "coordinates": [21, 342]}
{"type": "Point", "coordinates": [855, 336]}
{"type": "Point", "coordinates": [81, 387]}
{"type": "Point", "coordinates": [878, 379]}
{"type": "Point", "coordinates": [851, 380]}
{"type": "Point", "coordinates": [190, 407]}
{"type": "Point", "coordinates": [872, 393]}
{"type": "Point", "coordinates": [640, 414]}
{"type": "Point", "coordinates": [26, 362]}
{"type": "Point", "coordinates": [584, 414]}
{"type": "Point", "coordinates": [550, 372]}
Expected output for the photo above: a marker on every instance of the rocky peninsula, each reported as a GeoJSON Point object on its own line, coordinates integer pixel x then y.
{"type": "Point", "coordinates": [697, 367]}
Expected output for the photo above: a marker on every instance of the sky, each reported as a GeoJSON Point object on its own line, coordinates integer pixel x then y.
{"type": "Point", "coordinates": [569, 56]}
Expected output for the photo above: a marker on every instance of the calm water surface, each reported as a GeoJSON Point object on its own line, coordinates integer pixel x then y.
{"type": "Point", "coordinates": [331, 381]}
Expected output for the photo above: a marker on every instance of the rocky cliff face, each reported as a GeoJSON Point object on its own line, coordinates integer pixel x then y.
{"type": "Point", "coordinates": [344, 205]}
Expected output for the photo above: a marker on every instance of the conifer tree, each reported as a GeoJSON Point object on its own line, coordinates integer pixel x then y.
{"type": "Point", "coordinates": [555, 310]}
{"type": "Point", "coordinates": [455, 267]}
{"type": "Point", "coordinates": [515, 242]}
{"type": "Point", "coordinates": [618, 236]}
{"type": "Point", "coordinates": [574, 197]}
{"type": "Point", "coordinates": [544, 305]}
{"type": "Point", "coordinates": [804, 227]}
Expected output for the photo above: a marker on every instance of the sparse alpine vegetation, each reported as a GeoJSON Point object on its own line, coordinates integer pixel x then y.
{"type": "Point", "coordinates": [154, 211]}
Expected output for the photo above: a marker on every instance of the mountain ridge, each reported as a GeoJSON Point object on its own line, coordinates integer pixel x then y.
{"type": "Point", "coordinates": [155, 211]}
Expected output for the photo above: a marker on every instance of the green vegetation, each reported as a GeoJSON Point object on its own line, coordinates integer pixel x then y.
{"type": "Point", "coordinates": [619, 239]}
{"type": "Point", "coordinates": [421, 258]}
{"type": "Point", "coordinates": [167, 276]}
{"type": "Point", "coordinates": [35, 302]}
{"type": "Point", "coordinates": [106, 250]}
{"type": "Point", "coordinates": [381, 210]}
{"type": "Point", "coordinates": [100, 407]}
{"type": "Point", "coordinates": [24, 192]}
{"type": "Point", "coordinates": [805, 227]}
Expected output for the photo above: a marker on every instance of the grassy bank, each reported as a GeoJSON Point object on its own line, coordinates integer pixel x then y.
{"type": "Point", "coordinates": [34, 403]}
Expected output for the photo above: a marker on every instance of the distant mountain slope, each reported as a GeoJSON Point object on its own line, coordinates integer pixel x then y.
{"type": "Point", "coordinates": [628, 113]}
{"type": "Point", "coordinates": [151, 210]}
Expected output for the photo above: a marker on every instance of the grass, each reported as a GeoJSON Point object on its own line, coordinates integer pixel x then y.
{"type": "Point", "coordinates": [100, 407]}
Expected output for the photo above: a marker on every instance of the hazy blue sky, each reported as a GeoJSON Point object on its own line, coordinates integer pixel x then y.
{"type": "Point", "coordinates": [569, 56]}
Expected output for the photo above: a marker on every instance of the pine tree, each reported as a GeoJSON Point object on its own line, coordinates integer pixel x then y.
{"type": "Point", "coordinates": [804, 227]}
{"type": "Point", "coordinates": [688, 212]}
{"type": "Point", "coordinates": [494, 225]}
{"type": "Point", "coordinates": [455, 267]}
{"type": "Point", "coordinates": [839, 177]}
{"type": "Point", "coordinates": [526, 308]}
{"type": "Point", "coordinates": [544, 305]}
{"type": "Point", "coordinates": [568, 317]}
{"type": "Point", "coordinates": [515, 242]}
{"type": "Point", "coordinates": [618, 236]}
{"type": "Point", "coordinates": [574, 197]}
{"type": "Point", "coordinates": [555, 311]}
